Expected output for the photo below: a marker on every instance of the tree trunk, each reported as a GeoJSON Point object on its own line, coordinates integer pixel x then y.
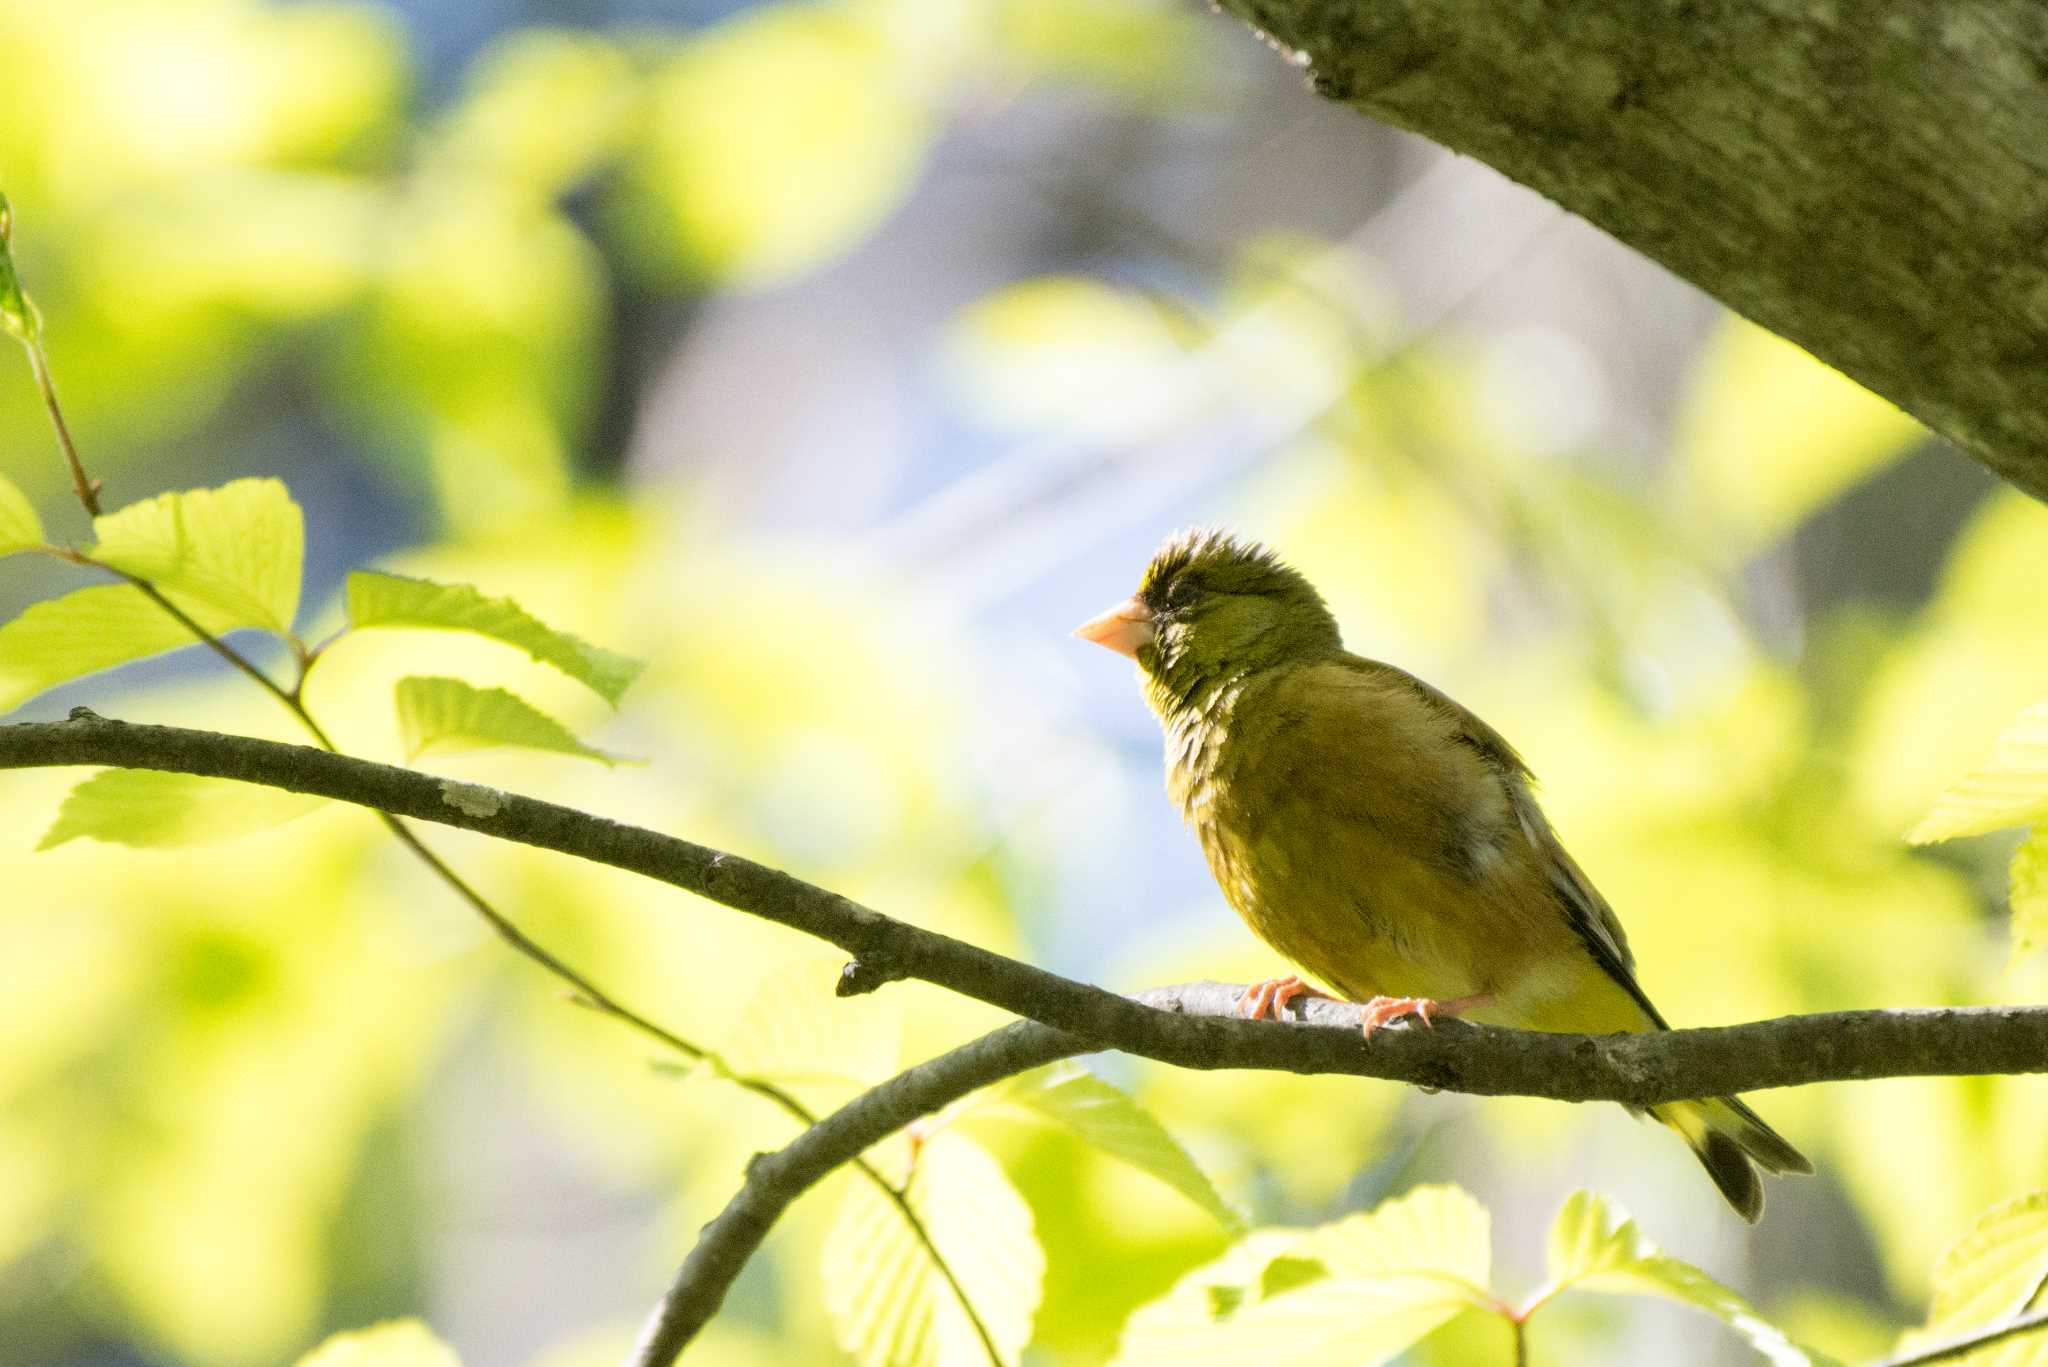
{"type": "Point", "coordinates": [1868, 178]}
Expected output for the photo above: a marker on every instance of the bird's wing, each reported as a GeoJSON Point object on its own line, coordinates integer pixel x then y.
{"type": "Point", "coordinates": [1587, 910]}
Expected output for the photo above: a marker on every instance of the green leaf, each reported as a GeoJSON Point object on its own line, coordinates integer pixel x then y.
{"type": "Point", "coordinates": [454, 715]}
{"type": "Point", "coordinates": [1359, 1291]}
{"type": "Point", "coordinates": [61, 639]}
{"type": "Point", "coordinates": [391, 600]}
{"type": "Point", "coordinates": [2011, 790]}
{"type": "Point", "coordinates": [237, 549]}
{"type": "Point", "coordinates": [2027, 892]}
{"type": "Point", "coordinates": [148, 809]}
{"type": "Point", "coordinates": [890, 1305]}
{"type": "Point", "coordinates": [20, 528]}
{"type": "Point", "coordinates": [1439, 1231]}
{"type": "Point", "coordinates": [1109, 1119]}
{"type": "Point", "coordinates": [395, 1343]}
{"type": "Point", "coordinates": [1994, 1272]}
{"type": "Point", "coordinates": [1595, 1246]}
{"type": "Point", "coordinates": [824, 1048]}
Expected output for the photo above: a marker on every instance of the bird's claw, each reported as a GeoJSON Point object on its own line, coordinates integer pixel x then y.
{"type": "Point", "coordinates": [1266, 1000]}
{"type": "Point", "coordinates": [1384, 1010]}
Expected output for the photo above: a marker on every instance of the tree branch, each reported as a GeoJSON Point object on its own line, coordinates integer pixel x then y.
{"type": "Point", "coordinates": [775, 1180]}
{"type": "Point", "coordinates": [1868, 180]}
{"type": "Point", "coordinates": [1965, 1344]}
{"type": "Point", "coordinates": [1192, 1030]}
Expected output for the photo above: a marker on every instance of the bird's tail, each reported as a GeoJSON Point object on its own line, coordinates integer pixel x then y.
{"type": "Point", "coordinates": [1732, 1142]}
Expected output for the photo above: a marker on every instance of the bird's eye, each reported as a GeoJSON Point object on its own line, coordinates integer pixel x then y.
{"type": "Point", "coordinates": [1182, 592]}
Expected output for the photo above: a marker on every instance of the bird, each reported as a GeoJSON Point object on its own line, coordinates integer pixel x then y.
{"type": "Point", "coordinates": [1380, 836]}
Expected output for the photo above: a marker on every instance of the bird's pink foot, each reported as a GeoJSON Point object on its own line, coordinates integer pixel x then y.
{"type": "Point", "coordinates": [1384, 1010]}
{"type": "Point", "coordinates": [1265, 1000]}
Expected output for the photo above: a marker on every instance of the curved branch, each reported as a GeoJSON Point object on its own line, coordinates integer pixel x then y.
{"type": "Point", "coordinates": [774, 1180]}
{"type": "Point", "coordinates": [1866, 179]}
{"type": "Point", "coordinates": [1192, 1029]}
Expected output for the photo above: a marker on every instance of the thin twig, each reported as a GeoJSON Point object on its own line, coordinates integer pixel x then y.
{"type": "Point", "coordinates": [590, 995]}
{"type": "Point", "coordinates": [775, 1180]}
{"type": "Point", "coordinates": [586, 991]}
{"type": "Point", "coordinates": [39, 364]}
{"type": "Point", "coordinates": [1969, 1343]}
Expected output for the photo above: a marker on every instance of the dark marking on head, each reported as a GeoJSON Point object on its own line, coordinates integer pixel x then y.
{"type": "Point", "coordinates": [1209, 560]}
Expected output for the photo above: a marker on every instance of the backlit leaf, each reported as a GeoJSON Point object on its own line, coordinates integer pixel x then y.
{"type": "Point", "coordinates": [20, 528]}
{"type": "Point", "coordinates": [395, 1343]}
{"type": "Point", "coordinates": [890, 1305]}
{"type": "Point", "coordinates": [87, 630]}
{"type": "Point", "coordinates": [1595, 1246]}
{"type": "Point", "coordinates": [1359, 1291]}
{"type": "Point", "coordinates": [796, 1033]}
{"type": "Point", "coordinates": [1109, 1119]}
{"type": "Point", "coordinates": [453, 715]}
{"type": "Point", "coordinates": [238, 549]}
{"type": "Point", "coordinates": [376, 599]}
{"type": "Point", "coordinates": [1994, 1272]}
{"type": "Point", "coordinates": [2027, 892]}
{"type": "Point", "coordinates": [147, 808]}
{"type": "Point", "coordinates": [2011, 790]}
{"type": "Point", "coordinates": [1435, 1231]}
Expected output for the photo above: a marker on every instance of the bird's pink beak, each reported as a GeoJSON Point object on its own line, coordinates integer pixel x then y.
{"type": "Point", "coordinates": [1125, 628]}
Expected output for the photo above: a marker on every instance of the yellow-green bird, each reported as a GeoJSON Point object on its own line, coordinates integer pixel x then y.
{"type": "Point", "coordinates": [1378, 834]}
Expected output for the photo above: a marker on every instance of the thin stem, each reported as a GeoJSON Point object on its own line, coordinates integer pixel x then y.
{"type": "Point", "coordinates": [776, 1180]}
{"type": "Point", "coordinates": [1520, 1328]}
{"type": "Point", "coordinates": [587, 991]}
{"type": "Point", "coordinates": [590, 995]}
{"type": "Point", "coordinates": [1969, 1343]}
{"type": "Point", "coordinates": [234, 657]}
{"type": "Point", "coordinates": [39, 365]}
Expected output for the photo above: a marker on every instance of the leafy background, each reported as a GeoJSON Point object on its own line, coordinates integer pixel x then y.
{"type": "Point", "coordinates": [835, 359]}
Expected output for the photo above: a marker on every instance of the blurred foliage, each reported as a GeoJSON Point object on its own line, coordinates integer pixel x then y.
{"type": "Point", "coordinates": [231, 1074]}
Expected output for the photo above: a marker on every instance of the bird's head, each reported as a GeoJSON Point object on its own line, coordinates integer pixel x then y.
{"type": "Point", "coordinates": [1211, 606]}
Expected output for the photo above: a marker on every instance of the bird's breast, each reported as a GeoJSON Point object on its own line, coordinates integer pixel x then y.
{"type": "Point", "coordinates": [1370, 861]}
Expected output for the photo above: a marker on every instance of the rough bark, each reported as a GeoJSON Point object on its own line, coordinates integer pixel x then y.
{"type": "Point", "coordinates": [1867, 179]}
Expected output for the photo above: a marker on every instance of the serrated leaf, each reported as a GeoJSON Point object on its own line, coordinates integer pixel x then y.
{"type": "Point", "coordinates": [454, 715]}
{"type": "Point", "coordinates": [1995, 1271]}
{"type": "Point", "coordinates": [20, 528]}
{"type": "Point", "coordinates": [1359, 1291]}
{"type": "Point", "coordinates": [1595, 1246]}
{"type": "Point", "coordinates": [87, 630]}
{"type": "Point", "coordinates": [2027, 892]}
{"type": "Point", "coordinates": [395, 1343]}
{"type": "Point", "coordinates": [796, 1033]}
{"type": "Point", "coordinates": [152, 810]}
{"type": "Point", "coordinates": [1437, 1230]}
{"type": "Point", "coordinates": [376, 599]}
{"type": "Point", "coordinates": [2011, 790]}
{"type": "Point", "coordinates": [238, 549]}
{"type": "Point", "coordinates": [890, 1305]}
{"type": "Point", "coordinates": [1109, 1119]}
